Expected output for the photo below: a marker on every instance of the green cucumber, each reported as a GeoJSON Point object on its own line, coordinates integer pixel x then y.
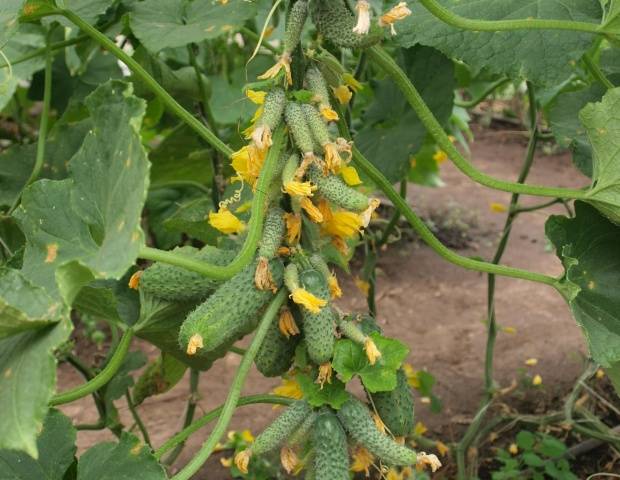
{"type": "Point", "coordinates": [317, 85]}
{"type": "Point", "coordinates": [176, 284]}
{"type": "Point", "coordinates": [331, 458]}
{"type": "Point", "coordinates": [273, 108]}
{"type": "Point", "coordinates": [316, 123]}
{"type": "Point", "coordinates": [335, 22]}
{"type": "Point", "coordinates": [318, 328]}
{"type": "Point", "coordinates": [334, 189]}
{"type": "Point", "coordinates": [296, 121]}
{"type": "Point", "coordinates": [295, 25]}
{"type": "Point", "coordinates": [357, 421]}
{"type": "Point", "coordinates": [273, 233]}
{"type": "Point", "coordinates": [276, 353]}
{"type": "Point", "coordinates": [396, 407]}
{"type": "Point", "coordinates": [230, 313]}
{"type": "Point", "coordinates": [281, 428]}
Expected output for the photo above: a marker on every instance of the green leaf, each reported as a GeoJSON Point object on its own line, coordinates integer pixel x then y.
{"type": "Point", "coordinates": [56, 446]}
{"type": "Point", "coordinates": [350, 360]}
{"type": "Point", "coordinates": [160, 24]}
{"type": "Point", "coordinates": [568, 130]}
{"type": "Point", "coordinates": [27, 382]}
{"type": "Point", "coordinates": [24, 306]}
{"type": "Point", "coordinates": [424, 169]}
{"type": "Point", "coordinates": [392, 132]}
{"type": "Point", "coordinates": [161, 375]}
{"type": "Point", "coordinates": [91, 221]}
{"type": "Point", "coordinates": [191, 218]}
{"type": "Point", "coordinates": [551, 447]}
{"type": "Point", "coordinates": [525, 440]}
{"type": "Point", "coordinates": [587, 245]}
{"type": "Point", "coordinates": [533, 460]}
{"type": "Point", "coordinates": [110, 299]}
{"type": "Point", "coordinates": [127, 459]}
{"type": "Point", "coordinates": [122, 380]}
{"type": "Point", "coordinates": [332, 394]}
{"type": "Point", "coordinates": [9, 13]}
{"type": "Point", "coordinates": [602, 122]}
{"type": "Point", "coordinates": [541, 56]}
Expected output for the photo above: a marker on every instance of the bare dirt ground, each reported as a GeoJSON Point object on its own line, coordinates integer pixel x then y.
{"type": "Point", "coordinates": [436, 308]}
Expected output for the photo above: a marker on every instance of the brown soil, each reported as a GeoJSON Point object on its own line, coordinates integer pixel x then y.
{"type": "Point", "coordinates": [434, 307]}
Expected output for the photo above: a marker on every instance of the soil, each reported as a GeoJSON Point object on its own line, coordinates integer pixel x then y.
{"type": "Point", "coordinates": [436, 308]}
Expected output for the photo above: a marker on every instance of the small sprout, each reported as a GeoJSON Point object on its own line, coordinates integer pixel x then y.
{"type": "Point", "coordinates": [194, 344]}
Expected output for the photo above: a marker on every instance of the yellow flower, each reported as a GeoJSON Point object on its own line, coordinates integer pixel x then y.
{"type": "Point", "coordinates": [257, 114]}
{"type": "Point", "coordinates": [286, 323]}
{"type": "Point", "coordinates": [442, 448]}
{"type": "Point", "coordinates": [440, 156]}
{"type": "Point", "coordinates": [428, 460]}
{"type": "Point", "coordinates": [420, 429]}
{"type": "Point", "coordinates": [247, 133]}
{"type": "Point", "coordinates": [372, 352]}
{"type": "Point", "coordinates": [513, 449]}
{"type": "Point", "coordinates": [396, 13]}
{"type": "Point", "coordinates": [334, 287]}
{"type": "Point", "coordinates": [343, 224]}
{"type": "Point", "coordinates": [226, 462]}
{"type": "Point", "coordinates": [600, 373]}
{"type": "Point", "coordinates": [363, 17]}
{"type": "Point", "coordinates": [289, 459]}
{"type": "Point", "coordinates": [340, 245]}
{"type": "Point", "coordinates": [362, 460]}
{"type": "Point", "coordinates": [263, 280]}
{"type": "Point", "coordinates": [393, 474]}
{"type": "Point", "coordinates": [531, 362]}
{"type": "Point", "coordinates": [537, 380]}
{"type": "Point", "coordinates": [509, 330]}
{"type": "Point", "coordinates": [497, 207]}
{"type": "Point", "coordinates": [412, 375]}
{"type": "Point", "coordinates": [332, 157]}
{"type": "Point", "coordinates": [134, 281]}
{"type": "Point", "coordinates": [226, 222]}
{"type": "Point", "coordinates": [350, 176]}
{"type": "Point", "coordinates": [366, 215]}
{"type": "Point", "coordinates": [343, 94]}
{"type": "Point", "coordinates": [247, 162]}
{"type": "Point", "coordinates": [305, 298]}
{"type": "Point", "coordinates": [303, 189]}
{"type": "Point", "coordinates": [293, 228]}
{"type": "Point", "coordinates": [261, 136]}
{"type": "Point", "coordinates": [284, 62]}
{"type": "Point", "coordinates": [351, 82]}
{"type": "Point", "coordinates": [328, 113]}
{"type": "Point", "coordinates": [325, 374]}
{"type": "Point", "coordinates": [289, 388]}
{"type": "Point", "coordinates": [247, 436]}
{"type": "Point", "coordinates": [256, 97]}
{"type": "Point", "coordinates": [362, 285]}
{"type": "Point", "coordinates": [242, 460]}
{"type": "Point", "coordinates": [310, 208]}
{"type": "Point", "coordinates": [194, 344]}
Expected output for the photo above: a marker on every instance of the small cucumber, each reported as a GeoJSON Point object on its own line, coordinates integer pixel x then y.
{"type": "Point", "coordinates": [276, 353]}
{"type": "Point", "coordinates": [230, 313]}
{"type": "Point", "coordinates": [331, 458]}
{"type": "Point", "coordinates": [299, 128]}
{"type": "Point", "coordinates": [396, 408]}
{"type": "Point", "coordinates": [273, 233]}
{"type": "Point", "coordinates": [281, 428]}
{"type": "Point", "coordinates": [333, 188]}
{"type": "Point", "coordinates": [318, 328]}
{"type": "Point", "coordinates": [335, 22]}
{"type": "Point", "coordinates": [176, 284]}
{"type": "Point", "coordinates": [316, 123]}
{"type": "Point", "coordinates": [295, 25]}
{"type": "Point", "coordinates": [273, 108]}
{"type": "Point", "coordinates": [357, 421]}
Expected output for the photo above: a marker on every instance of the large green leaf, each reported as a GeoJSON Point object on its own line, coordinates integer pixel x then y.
{"type": "Point", "coordinates": [542, 56]}
{"type": "Point", "coordinates": [24, 306]}
{"type": "Point", "coordinates": [56, 446]}
{"type": "Point", "coordinates": [89, 224]}
{"type": "Point", "coordinates": [602, 123]}
{"type": "Point", "coordinates": [588, 247]}
{"type": "Point", "coordinates": [9, 13]}
{"type": "Point", "coordinates": [127, 460]}
{"type": "Point", "coordinates": [110, 299]}
{"type": "Point", "coordinates": [392, 132]}
{"type": "Point", "coordinates": [27, 382]}
{"type": "Point", "coordinates": [159, 24]}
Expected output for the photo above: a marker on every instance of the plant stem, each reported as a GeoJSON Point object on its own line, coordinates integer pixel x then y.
{"type": "Point", "coordinates": [40, 51]}
{"type": "Point", "coordinates": [255, 227]}
{"type": "Point", "coordinates": [235, 390]}
{"type": "Point", "coordinates": [451, 18]}
{"type": "Point", "coordinates": [385, 235]}
{"type": "Point", "coordinates": [215, 413]}
{"type": "Point", "coordinates": [597, 72]}
{"type": "Point", "coordinates": [256, 38]}
{"type": "Point", "coordinates": [534, 208]}
{"type": "Point", "coordinates": [43, 125]}
{"type": "Point", "coordinates": [101, 378]}
{"type": "Point", "coordinates": [137, 419]}
{"type": "Point", "coordinates": [148, 80]}
{"type": "Point", "coordinates": [384, 61]}
{"type": "Point", "coordinates": [480, 98]}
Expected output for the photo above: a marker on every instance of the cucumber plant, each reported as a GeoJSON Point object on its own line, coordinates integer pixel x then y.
{"type": "Point", "coordinates": [123, 200]}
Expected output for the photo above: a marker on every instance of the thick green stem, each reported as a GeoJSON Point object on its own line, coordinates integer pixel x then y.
{"type": "Point", "coordinates": [451, 18]}
{"type": "Point", "coordinates": [149, 81]}
{"type": "Point", "coordinates": [597, 72]}
{"type": "Point", "coordinates": [101, 378]}
{"type": "Point", "coordinates": [235, 390]}
{"type": "Point", "coordinates": [381, 58]}
{"type": "Point", "coordinates": [215, 413]}
{"type": "Point", "coordinates": [255, 227]}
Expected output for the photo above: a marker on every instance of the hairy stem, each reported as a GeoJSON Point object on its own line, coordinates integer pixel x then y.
{"type": "Point", "coordinates": [385, 62]}
{"type": "Point", "coordinates": [101, 378]}
{"type": "Point", "coordinates": [235, 390]}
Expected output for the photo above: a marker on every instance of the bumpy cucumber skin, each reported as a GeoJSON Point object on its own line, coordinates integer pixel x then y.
{"type": "Point", "coordinates": [275, 101]}
{"type": "Point", "coordinates": [290, 167]}
{"type": "Point", "coordinates": [176, 284]}
{"type": "Point", "coordinates": [357, 421]}
{"type": "Point", "coordinates": [331, 459]}
{"type": "Point", "coordinates": [396, 408]}
{"type": "Point", "coordinates": [333, 188]}
{"type": "Point", "coordinates": [273, 232]}
{"type": "Point", "coordinates": [318, 328]}
{"type": "Point", "coordinates": [335, 22]}
{"type": "Point", "coordinates": [298, 126]}
{"type": "Point", "coordinates": [316, 123]}
{"type": "Point", "coordinates": [294, 25]}
{"type": "Point", "coordinates": [276, 353]}
{"type": "Point", "coordinates": [317, 85]}
{"type": "Point", "coordinates": [231, 312]}
{"type": "Point", "coordinates": [281, 428]}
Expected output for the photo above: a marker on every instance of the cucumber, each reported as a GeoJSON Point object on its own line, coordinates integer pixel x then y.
{"type": "Point", "coordinates": [316, 123]}
{"type": "Point", "coordinates": [318, 328]}
{"type": "Point", "coordinates": [295, 25]}
{"type": "Point", "coordinates": [299, 128]}
{"type": "Point", "coordinates": [335, 22]}
{"type": "Point", "coordinates": [176, 284]}
{"type": "Point", "coordinates": [273, 109]}
{"type": "Point", "coordinates": [396, 408]}
{"type": "Point", "coordinates": [276, 354]}
{"type": "Point", "coordinates": [334, 189]}
{"type": "Point", "coordinates": [230, 313]}
{"type": "Point", "coordinates": [357, 421]}
{"type": "Point", "coordinates": [273, 233]}
{"type": "Point", "coordinates": [331, 458]}
{"type": "Point", "coordinates": [281, 428]}
{"type": "Point", "coordinates": [317, 85]}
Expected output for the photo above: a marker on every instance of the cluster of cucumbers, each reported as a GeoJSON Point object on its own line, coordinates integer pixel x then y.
{"type": "Point", "coordinates": [219, 313]}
